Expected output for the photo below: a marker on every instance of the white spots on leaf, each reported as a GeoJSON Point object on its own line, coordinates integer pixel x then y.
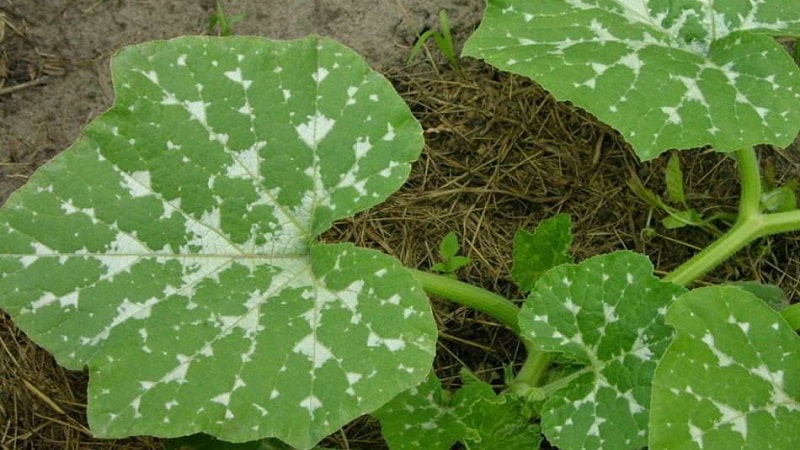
{"type": "Point", "coordinates": [572, 307]}
{"type": "Point", "coordinates": [633, 62]}
{"type": "Point", "coordinates": [151, 75]}
{"type": "Point", "coordinates": [361, 147]}
{"type": "Point", "coordinates": [736, 419]}
{"type": "Point", "coordinates": [351, 93]}
{"type": "Point", "coordinates": [246, 163]}
{"type": "Point", "coordinates": [137, 183]}
{"type": "Point", "coordinates": [672, 114]}
{"type": "Point", "coordinates": [320, 75]}
{"type": "Point", "coordinates": [697, 434]}
{"type": "Point", "coordinates": [287, 94]}
{"type": "Point", "coordinates": [274, 394]}
{"type": "Point", "coordinates": [181, 62]}
{"type": "Point", "coordinates": [353, 378]}
{"type": "Point", "coordinates": [744, 326]}
{"type": "Point", "coordinates": [374, 98]}
{"type": "Point", "coordinates": [311, 403]}
{"type": "Point", "coordinates": [317, 353]}
{"type": "Point", "coordinates": [197, 110]}
{"type": "Point", "coordinates": [223, 399]}
{"type": "Point", "coordinates": [390, 135]}
{"type": "Point", "coordinates": [723, 359]}
{"type": "Point", "coordinates": [178, 373]}
{"type": "Point", "coordinates": [315, 130]}
{"type": "Point", "coordinates": [394, 345]}
{"type": "Point", "coordinates": [610, 313]}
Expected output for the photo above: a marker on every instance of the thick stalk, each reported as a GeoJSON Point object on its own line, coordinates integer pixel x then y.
{"type": "Point", "coordinates": [474, 297]}
{"type": "Point", "coordinates": [490, 303]}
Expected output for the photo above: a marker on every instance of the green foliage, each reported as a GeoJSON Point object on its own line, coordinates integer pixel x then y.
{"type": "Point", "coordinates": [429, 418]}
{"type": "Point", "coordinates": [606, 314]}
{"type": "Point", "coordinates": [181, 230]}
{"type": "Point", "coordinates": [540, 251]}
{"type": "Point", "coordinates": [443, 40]}
{"type": "Point", "coordinates": [730, 377]}
{"type": "Point", "coordinates": [664, 74]}
{"type": "Point", "coordinates": [451, 260]}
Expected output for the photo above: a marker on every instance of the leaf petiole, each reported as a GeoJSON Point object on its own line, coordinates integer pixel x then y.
{"type": "Point", "coordinates": [471, 296]}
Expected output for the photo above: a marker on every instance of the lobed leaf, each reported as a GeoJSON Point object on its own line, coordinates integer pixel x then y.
{"type": "Point", "coordinates": [173, 248]}
{"type": "Point", "coordinates": [730, 378]}
{"type": "Point", "coordinates": [607, 314]}
{"type": "Point", "coordinates": [666, 74]}
{"type": "Point", "coordinates": [537, 252]}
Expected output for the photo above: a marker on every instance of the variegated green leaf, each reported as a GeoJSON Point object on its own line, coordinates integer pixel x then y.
{"type": "Point", "coordinates": [607, 314]}
{"type": "Point", "coordinates": [172, 249]}
{"type": "Point", "coordinates": [665, 73]}
{"type": "Point", "coordinates": [731, 377]}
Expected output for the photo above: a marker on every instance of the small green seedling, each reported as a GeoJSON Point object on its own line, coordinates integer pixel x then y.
{"type": "Point", "coordinates": [220, 23]}
{"type": "Point", "coordinates": [451, 260]}
{"type": "Point", "coordinates": [174, 250]}
{"type": "Point", "coordinates": [443, 40]}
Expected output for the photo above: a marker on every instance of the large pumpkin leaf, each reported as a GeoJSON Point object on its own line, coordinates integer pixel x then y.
{"type": "Point", "coordinates": [172, 248]}
{"type": "Point", "coordinates": [607, 315]}
{"type": "Point", "coordinates": [731, 377]}
{"type": "Point", "coordinates": [665, 73]}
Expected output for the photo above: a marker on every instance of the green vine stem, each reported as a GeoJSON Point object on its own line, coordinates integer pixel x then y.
{"type": "Point", "coordinates": [750, 225]}
{"type": "Point", "coordinates": [471, 296]}
{"type": "Point", "coordinates": [495, 306]}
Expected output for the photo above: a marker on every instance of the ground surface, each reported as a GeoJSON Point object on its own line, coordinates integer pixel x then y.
{"type": "Point", "coordinates": [501, 155]}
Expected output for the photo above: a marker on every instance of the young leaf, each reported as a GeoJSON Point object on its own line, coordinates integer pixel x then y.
{"type": "Point", "coordinates": [451, 260]}
{"type": "Point", "coordinates": [674, 177]}
{"type": "Point", "coordinates": [607, 314]}
{"type": "Point", "coordinates": [730, 377]}
{"type": "Point", "coordinates": [172, 249]}
{"type": "Point", "coordinates": [665, 74]}
{"type": "Point", "coordinates": [538, 252]}
{"type": "Point", "coordinates": [448, 248]}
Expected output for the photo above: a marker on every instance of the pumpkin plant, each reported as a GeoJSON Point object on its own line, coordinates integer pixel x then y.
{"type": "Point", "coordinates": [174, 249]}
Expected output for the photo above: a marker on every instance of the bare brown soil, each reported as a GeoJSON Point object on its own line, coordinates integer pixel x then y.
{"type": "Point", "coordinates": [501, 154]}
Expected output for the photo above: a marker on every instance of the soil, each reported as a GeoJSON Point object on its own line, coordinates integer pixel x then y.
{"type": "Point", "coordinates": [501, 155]}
